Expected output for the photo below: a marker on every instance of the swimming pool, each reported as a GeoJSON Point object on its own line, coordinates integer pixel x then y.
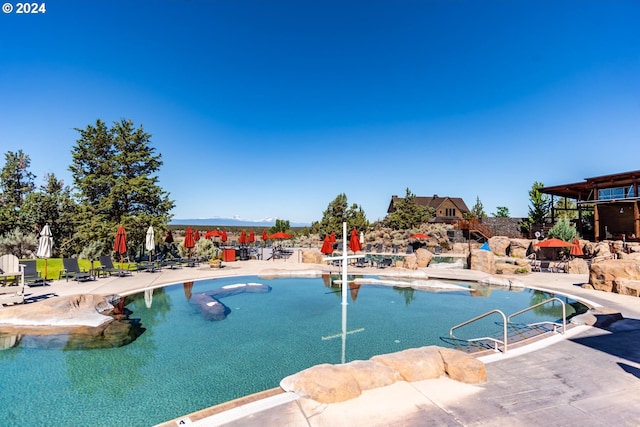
{"type": "Point", "coordinates": [184, 361]}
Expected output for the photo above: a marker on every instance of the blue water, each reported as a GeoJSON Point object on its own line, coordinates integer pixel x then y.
{"type": "Point", "coordinates": [184, 362]}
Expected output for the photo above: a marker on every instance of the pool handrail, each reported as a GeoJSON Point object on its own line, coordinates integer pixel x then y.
{"type": "Point", "coordinates": [564, 314]}
{"type": "Point", "coordinates": [496, 341]}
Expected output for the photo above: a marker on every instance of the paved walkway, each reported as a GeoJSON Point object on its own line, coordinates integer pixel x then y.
{"type": "Point", "coordinates": [592, 377]}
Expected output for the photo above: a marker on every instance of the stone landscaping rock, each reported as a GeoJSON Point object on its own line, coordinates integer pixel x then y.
{"type": "Point", "coordinates": [323, 383]}
{"type": "Point", "coordinates": [577, 266]}
{"type": "Point", "coordinates": [461, 367]}
{"type": "Point", "coordinates": [311, 256]}
{"type": "Point", "coordinates": [423, 257]}
{"type": "Point", "coordinates": [604, 275]}
{"type": "Point", "coordinates": [336, 383]}
{"type": "Point", "coordinates": [500, 245]}
{"type": "Point", "coordinates": [414, 364]}
{"type": "Point", "coordinates": [482, 260]}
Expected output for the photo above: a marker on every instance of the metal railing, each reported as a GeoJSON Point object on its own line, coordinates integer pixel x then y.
{"type": "Point", "coordinates": [564, 315]}
{"type": "Point", "coordinates": [507, 319]}
{"type": "Point", "coordinates": [495, 341]}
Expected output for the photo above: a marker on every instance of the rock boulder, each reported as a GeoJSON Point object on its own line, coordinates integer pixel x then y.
{"type": "Point", "coordinates": [605, 275]}
{"type": "Point", "coordinates": [483, 261]}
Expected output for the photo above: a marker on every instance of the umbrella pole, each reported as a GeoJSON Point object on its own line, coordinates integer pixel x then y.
{"type": "Point", "coordinates": [45, 270]}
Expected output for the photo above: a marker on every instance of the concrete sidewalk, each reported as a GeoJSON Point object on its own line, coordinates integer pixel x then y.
{"type": "Point", "coordinates": [591, 377]}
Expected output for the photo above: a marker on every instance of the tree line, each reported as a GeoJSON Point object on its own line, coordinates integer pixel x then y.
{"type": "Point", "coordinates": [115, 181]}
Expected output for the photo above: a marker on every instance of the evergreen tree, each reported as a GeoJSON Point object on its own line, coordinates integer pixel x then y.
{"type": "Point", "coordinates": [407, 213]}
{"type": "Point", "coordinates": [539, 208]}
{"type": "Point", "coordinates": [53, 204]}
{"type": "Point", "coordinates": [281, 225]}
{"type": "Point", "coordinates": [16, 182]}
{"type": "Point", "coordinates": [502, 212]}
{"type": "Point", "coordinates": [114, 172]}
{"type": "Point", "coordinates": [477, 211]}
{"type": "Point", "coordinates": [337, 212]}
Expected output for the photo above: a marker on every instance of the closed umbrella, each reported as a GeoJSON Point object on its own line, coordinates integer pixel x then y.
{"type": "Point", "coordinates": [264, 235]}
{"type": "Point", "coordinates": [332, 237]}
{"type": "Point", "coordinates": [223, 236]}
{"type": "Point", "coordinates": [327, 247]}
{"type": "Point", "coordinates": [196, 235]}
{"type": "Point", "coordinates": [45, 247]}
{"type": "Point", "coordinates": [188, 240]}
{"type": "Point", "coordinates": [354, 241]}
{"type": "Point", "coordinates": [252, 236]}
{"type": "Point", "coordinates": [150, 243]}
{"type": "Point", "coordinates": [576, 249]}
{"type": "Point", "coordinates": [120, 244]}
{"type": "Point", "coordinates": [243, 238]}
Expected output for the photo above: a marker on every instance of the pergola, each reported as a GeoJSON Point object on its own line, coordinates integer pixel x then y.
{"type": "Point", "coordinates": [614, 200]}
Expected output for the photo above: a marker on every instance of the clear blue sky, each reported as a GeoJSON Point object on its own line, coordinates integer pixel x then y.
{"type": "Point", "coordinates": [271, 109]}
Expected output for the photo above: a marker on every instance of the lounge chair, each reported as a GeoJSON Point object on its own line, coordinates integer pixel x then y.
{"type": "Point", "coordinates": [31, 275]}
{"type": "Point", "coordinates": [385, 262]}
{"type": "Point", "coordinates": [107, 267]}
{"type": "Point", "coordinates": [379, 248]}
{"type": "Point", "coordinates": [362, 262]}
{"type": "Point", "coordinates": [409, 249]}
{"type": "Point", "coordinates": [368, 247]}
{"type": "Point", "coordinates": [71, 270]}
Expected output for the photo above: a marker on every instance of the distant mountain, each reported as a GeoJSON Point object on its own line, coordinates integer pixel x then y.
{"type": "Point", "coordinates": [231, 222]}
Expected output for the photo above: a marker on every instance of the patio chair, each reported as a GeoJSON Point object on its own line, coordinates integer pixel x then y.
{"type": "Point", "coordinates": [368, 247]}
{"type": "Point", "coordinates": [71, 269]}
{"type": "Point", "coordinates": [362, 262]}
{"type": "Point", "coordinates": [385, 262]}
{"type": "Point", "coordinates": [379, 248]}
{"type": "Point", "coordinates": [107, 267]}
{"type": "Point", "coordinates": [31, 275]}
{"type": "Point", "coordinates": [409, 250]}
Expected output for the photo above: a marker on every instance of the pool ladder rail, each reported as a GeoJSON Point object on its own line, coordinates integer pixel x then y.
{"type": "Point", "coordinates": [506, 320]}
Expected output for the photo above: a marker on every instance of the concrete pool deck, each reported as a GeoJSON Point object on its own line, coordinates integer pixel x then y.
{"type": "Point", "coordinates": [590, 378]}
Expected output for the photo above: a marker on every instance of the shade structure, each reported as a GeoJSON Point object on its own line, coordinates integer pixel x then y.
{"type": "Point", "coordinates": [149, 241]}
{"type": "Point", "coordinates": [212, 233]}
{"type": "Point", "coordinates": [264, 235]}
{"type": "Point", "coordinates": [419, 236]}
{"type": "Point", "coordinates": [252, 236]}
{"type": "Point", "coordinates": [332, 237]}
{"type": "Point", "coordinates": [243, 238]}
{"type": "Point", "coordinates": [280, 235]}
{"type": "Point", "coordinates": [45, 246]}
{"type": "Point", "coordinates": [576, 249]}
{"type": "Point", "coordinates": [553, 243]}
{"type": "Point", "coordinates": [327, 247]}
{"type": "Point", "coordinates": [354, 241]}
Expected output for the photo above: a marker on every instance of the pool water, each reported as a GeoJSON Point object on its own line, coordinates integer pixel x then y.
{"type": "Point", "coordinates": [184, 362]}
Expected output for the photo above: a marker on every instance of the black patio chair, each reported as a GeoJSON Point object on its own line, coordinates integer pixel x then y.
{"type": "Point", "coordinates": [71, 270]}
{"type": "Point", "coordinates": [107, 267]}
{"type": "Point", "coordinates": [31, 275]}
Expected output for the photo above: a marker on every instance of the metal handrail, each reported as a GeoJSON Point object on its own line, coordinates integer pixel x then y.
{"type": "Point", "coordinates": [504, 327]}
{"type": "Point", "coordinates": [564, 312]}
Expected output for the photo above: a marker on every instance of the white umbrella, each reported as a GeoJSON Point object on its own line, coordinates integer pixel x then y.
{"type": "Point", "coordinates": [45, 246]}
{"type": "Point", "coordinates": [150, 243]}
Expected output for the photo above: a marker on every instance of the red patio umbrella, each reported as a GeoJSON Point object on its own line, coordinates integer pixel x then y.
{"type": "Point", "coordinates": [252, 236]}
{"type": "Point", "coordinates": [576, 249]}
{"type": "Point", "coordinates": [264, 235]}
{"type": "Point", "coordinates": [332, 238]}
{"type": "Point", "coordinates": [196, 235]}
{"type": "Point", "coordinates": [553, 243]}
{"type": "Point", "coordinates": [188, 240]}
{"type": "Point", "coordinates": [223, 236]}
{"type": "Point", "coordinates": [419, 236]}
{"type": "Point", "coordinates": [120, 243]}
{"type": "Point", "coordinates": [243, 238]}
{"type": "Point", "coordinates": [280, 235]}
{"type": "Point", "coordinates": [327, 247]}
{"type": "Point", "coordinates": [354, 241]}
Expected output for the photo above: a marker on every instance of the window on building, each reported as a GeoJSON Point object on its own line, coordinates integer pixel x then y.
{"type": "Point", "coordinates": [616, 193]}
{"type": "Point", "coordinates": [450, 212]}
